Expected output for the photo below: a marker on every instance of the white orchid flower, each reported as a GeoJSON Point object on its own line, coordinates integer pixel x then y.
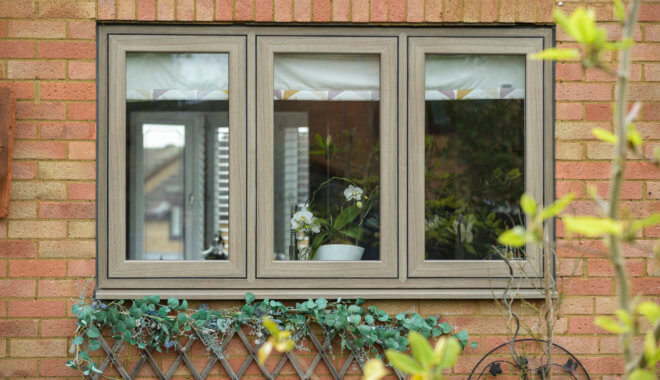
{"type": "Point", "coordinates": [353, 193]}
{"type": "Point", "coordinates": [304, 220]}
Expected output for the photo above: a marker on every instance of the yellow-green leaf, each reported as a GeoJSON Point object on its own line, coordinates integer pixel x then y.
{"type": "Point", "coordinates": [619, 45]}
{"type": "Point", "coordinates": [374, 370]}
{"type": "Point", "coordinates": [420, 349]}
{"type": "Point", "coordinates": [403, 362]}
{"type": "Point", "coordinates": [514, 237]}
{"type": "Point", "coordinates": [558, 206]}
{"type": "Point", "coordinates": [619, 10]}
{"type": "Point", "coordinates": [625, 318]}
{"type": "Point", "coordinates": [633, 136]}
{"type": "Point", "coordinates": [264, 351]}
{"type": "Point", "coordinates": [642, 374]}
{"type": "Point", "coordinates": [562, 20]}
{"type": "Point", "coordinates": [650, 347]}
{"type": "Point", "coordinates": [610, 325]}
{"type": "Point", "coordinates": [446, 352]}
{"type": "Point", "coordinates": [651, 221]}
{"type": "Point", "coordinates": [650, 310]}
{"type": "Point", "coordinates": [556, 54]}
{"type": "Point", "coordinates": [528, 204]}
{"type": "Point", "coordinates": [604, 135]}
{"type": "Point", "coordinates": [592, 226]}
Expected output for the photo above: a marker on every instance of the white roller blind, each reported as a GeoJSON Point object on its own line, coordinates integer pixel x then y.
{"type": "Point", "coordinates": [465, 77]}
{"type": "Point", "coordinates": [165, 76]}
{"type": "Point", "coordinates": [326, 76]}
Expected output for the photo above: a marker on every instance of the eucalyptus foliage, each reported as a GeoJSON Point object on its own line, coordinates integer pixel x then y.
{"type": "Point", "coordinates": [151, 323]}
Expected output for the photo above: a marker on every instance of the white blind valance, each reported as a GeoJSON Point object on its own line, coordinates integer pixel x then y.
{"type": "Point", "coordinates": [167, 76]}
{"type": "Point", "coordinates": [354, 77]}
{"type": "Point", "coordinates": [465, 77]}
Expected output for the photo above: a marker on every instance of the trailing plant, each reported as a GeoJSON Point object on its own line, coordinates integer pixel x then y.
{"type": "Point", "coordinates": [149, 323]}
{"type": "Point", "coordinates": [609, 225]}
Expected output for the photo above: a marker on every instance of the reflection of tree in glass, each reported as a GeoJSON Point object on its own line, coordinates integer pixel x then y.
{"type": "Point", "coordinates": [474, 155]}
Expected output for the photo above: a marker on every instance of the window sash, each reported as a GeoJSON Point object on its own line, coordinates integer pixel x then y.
{"type": "Point", "coordinates": [118, 266]}
{"type": "Point", "coordinates": [418, 266]}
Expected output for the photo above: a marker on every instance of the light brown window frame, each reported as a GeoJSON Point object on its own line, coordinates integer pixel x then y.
{"type": "Point", "coordinates": [249, 107]}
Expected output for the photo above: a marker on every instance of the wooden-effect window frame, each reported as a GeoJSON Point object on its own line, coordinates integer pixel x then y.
{"type": "Point", "coordinates": [402, 271]}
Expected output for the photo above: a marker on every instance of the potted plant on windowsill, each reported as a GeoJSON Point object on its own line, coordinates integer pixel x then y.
{"type": "Point", "coordinates": [338, 237]}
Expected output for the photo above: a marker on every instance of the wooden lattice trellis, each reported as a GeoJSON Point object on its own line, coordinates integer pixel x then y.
{"type": "Point", "coordinates": [321, 349]}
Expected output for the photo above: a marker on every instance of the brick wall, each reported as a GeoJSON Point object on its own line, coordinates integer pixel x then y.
{"type": "Point", "coordinates": [47, 246]}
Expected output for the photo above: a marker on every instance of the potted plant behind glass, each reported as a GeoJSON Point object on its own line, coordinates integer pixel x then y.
{"type": "Point", "coordinates": [337, 237]}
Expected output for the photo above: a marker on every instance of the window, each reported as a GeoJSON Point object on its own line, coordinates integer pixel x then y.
{"type": "Point", "coordinates": [303, 162]}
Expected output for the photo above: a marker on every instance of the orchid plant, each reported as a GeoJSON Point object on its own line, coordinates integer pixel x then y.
{"type": "Point", "coordinates": [343, 224]}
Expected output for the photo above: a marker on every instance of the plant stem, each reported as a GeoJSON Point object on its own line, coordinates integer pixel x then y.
{"type": "Point", "coordinates": [616, 181]}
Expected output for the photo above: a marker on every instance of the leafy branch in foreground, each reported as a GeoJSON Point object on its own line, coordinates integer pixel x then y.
{"type": "Point", "coordinates": [148, 323]}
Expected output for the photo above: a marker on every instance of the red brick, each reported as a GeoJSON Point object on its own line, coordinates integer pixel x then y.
{"type": "Point", "coordinates": [19, 367]}
{"type": "Point", "coordinates": [204, 10]}
{"type": "Point", "coordinates": [126, 9]}
{"type": "Point", "coordinates": [283, 10]}
{"type": "Point", "coordinates": [359, 11]}
{"type": "Point", "coordinates": [82, 29]}
{"type": "Point", "coordinates": [67, 170]}
{"type": "Point", "coordinates": [146, 10]}
{"type": "Point", "coordinates": [37, 268]}
{"type": "Point", "coordinates": [82, 268]}
{"type": "Point", "coordinates": [603, 268]}
{"type": "Point", "coordinates": [23, 170]}
{"type": "Point", "coordinates": [378, 10]}
{"type": "Point", "coordinates": [433, 11]}
{"type": "Point", "coordinates": [568, 111]}
{"type": "Point", "coordinates": [3, 34]}
{"type": "Point", "coordinates": [17, 288]}
{"type": "Point", "coordinates": [597, 75]}
{"type": "Point", "coordinates": [264, 10]}
{"type": "Point", "coordinates": [25, 130]}
{"type": "Point", "coordinates": [21, 90]}
{"type": "Point", "coordinates": [44, 110]}
{"type": "Point", "coordinates": [397, 10]}
{"type": "Point", "coordinates": [568, 71]}
{"type": "Point", "coordinates": [35, 70]}
{"type": "Point", "coordinates": [471, 10]}
{"type": "Point", "coordinates": [82, 70]}
{"type": "Point", "coordinates": [165, 10]}
{"type": "Point", "coordinates": [106, 9]}
{"type": "Point", "coordinates": [82, 111]}
{"type": "Point", "coordinates": [17, 248]}
{"type": "Point", "coordinates": [67, 9]}
{"type": "Point", "coordinates": [646, 286]}
{"type": "Point", "coordinates": [320, 11]}
{"type": "Point", "coordinates": [68, 91]}
{"type": "Point", "coordinates": [583, 325]}
{"type": "Point", "coordinates": [16, 9]}
{"type": "Point", "coordinates": [563, 188]}
{"type": "Point", "coordinates": [66, 210]}
{"type": "Point", "coordinates": [451, 11]}
{"type": "Point", "coordinates": [302, 10]}
{"type": "Point", "coordinates": [650, 111]}
{"type": "Point", "coordinates": [62, 288]}
{"type": "Point", "coordinates": [244, 9]}
{"type": "Point", "coordinates": [598, 111]}
{"type": "Point", "coordinates": [39, 150]}
{"type": "Point", "coordinates": [79, 150]}
{"type": "Point", "coordinates": [83, 191]}
{"type": "Point", "coordinates": [652, 33]}
{"type": "Point", "coordinates": [27, 348]}
{"type": "Point", "coordinates": [583, 91]}
{"type": "Point", "coordinates": [67, 49]}
{"type": "Point", "coordinates": [68, 131]}
{"type": "Point", "coordinates": [57, 327]}
{"type": "Point", "coordinates": [37, 29]}
{"type": "Point", "coordinates": [17, 328]}
{"type": "Point", "coordinates": [578, 344]}
{"type": "Point", "coordinates": [340, 9]}
{"type": "Point", "coordinates": [488, 11]}
{"type": "Point", "coordinates": [641, 170]}
{"type": "Point", "coordinates": [415, 11]}
{"type": "Point", "coordinates": [54, 367]}
{"type": "Point", "coordinates": [587, 286]}
{"type": "Point", "coordinates": [629, 190]}
{"type": "Point", "coordinates": [16, 49]}
{"type": "Point", "coordinates": [653, 190]}
{"type": "Point", "coordinates": [582, 170]}
{"type": "Point", "coordinates": [649, 12]}
{"type": "Point", "coordinates": [36, 308]}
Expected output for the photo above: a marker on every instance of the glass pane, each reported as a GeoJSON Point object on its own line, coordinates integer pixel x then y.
{"type": "Point", "coordinates": [326, 157]}
{"type": "Point", "coordinates": [474, 154]}
{"type": "Point", "coordinates": [177, 156]}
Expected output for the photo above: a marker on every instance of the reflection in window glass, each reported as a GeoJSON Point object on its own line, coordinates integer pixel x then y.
{"type": "Point", "coordinates": [474, 154]}
{"type": "Point", "coordinates": [326, 157]}
{"type": "Point", "coordinates": [177, 156]}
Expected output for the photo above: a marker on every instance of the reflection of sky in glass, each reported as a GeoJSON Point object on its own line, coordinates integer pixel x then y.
{"type": "Point", "coordinates": [162, 135]}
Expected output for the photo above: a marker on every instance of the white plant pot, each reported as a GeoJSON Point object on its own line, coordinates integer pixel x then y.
{"type": "Point", "coordinates": [339, 252]}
